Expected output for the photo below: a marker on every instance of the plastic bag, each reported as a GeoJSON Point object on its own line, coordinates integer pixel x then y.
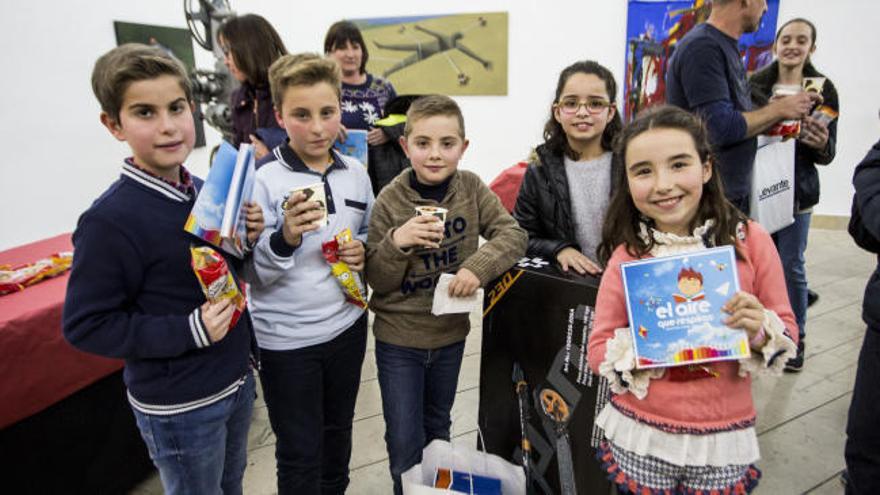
{"type": "Point", "coordinates": [772, 196]}
{"type": "Point", "coordinates": [419, 479]}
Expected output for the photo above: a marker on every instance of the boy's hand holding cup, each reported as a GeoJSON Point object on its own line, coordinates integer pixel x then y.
{"type": "Point", "coordinates": [425, 229]}
{"type": "Point", "coordinates": [300, 216]}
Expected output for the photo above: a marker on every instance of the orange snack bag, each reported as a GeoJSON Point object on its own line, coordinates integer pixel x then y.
{"type": "Point", "coordinates": [216, 281]}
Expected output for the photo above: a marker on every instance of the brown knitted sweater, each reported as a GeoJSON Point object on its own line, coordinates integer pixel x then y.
{"type": "Point", "coordinates": [403, 280]}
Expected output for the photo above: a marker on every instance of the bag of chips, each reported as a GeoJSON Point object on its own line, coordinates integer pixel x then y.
{"type": "Point", "coordinates": [346, 278]}
{"type": "Point", "coordinates": [17, 278]}
{"type": "Point", "coordinates": [216, 281]}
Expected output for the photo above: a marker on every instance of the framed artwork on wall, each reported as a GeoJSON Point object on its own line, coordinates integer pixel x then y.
{"type": "Point", "coordinates": [452, 54]}
{"type": "Point", "coordinates": [654, 27]}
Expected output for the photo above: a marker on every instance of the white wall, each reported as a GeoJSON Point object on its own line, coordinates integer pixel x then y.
{"type": "Point", "coordinates": [58, 158]}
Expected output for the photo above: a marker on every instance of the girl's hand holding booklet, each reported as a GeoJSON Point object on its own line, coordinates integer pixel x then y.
{"type": "Point", "coordinates": [674, 307]}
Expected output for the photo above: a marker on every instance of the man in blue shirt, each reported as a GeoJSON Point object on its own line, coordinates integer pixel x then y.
{"type": "Point", "coordinates": [706, 76]}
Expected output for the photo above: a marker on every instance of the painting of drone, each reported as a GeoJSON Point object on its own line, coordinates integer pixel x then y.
{"type": "Point", "coordinates": [174, 41]}
{"type": "Point", "coordinates": [653, 29]}
{"type": "Point", "coordinates": [457, 54]}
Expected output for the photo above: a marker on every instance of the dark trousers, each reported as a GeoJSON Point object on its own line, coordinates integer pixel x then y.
{"type": "Point", "coordinates": [862, 432]}
{"type": "Point", "coordinates": [310, 395]}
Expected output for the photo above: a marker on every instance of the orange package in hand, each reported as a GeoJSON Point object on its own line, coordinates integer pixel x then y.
{"type": "Point", "coordinates": [216, 281]}
{"type": "Point", "coordinates": [340, 270]}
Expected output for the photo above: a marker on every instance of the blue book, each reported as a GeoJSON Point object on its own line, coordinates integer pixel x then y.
{"type": "Point", "coordinates": [674, 308]}
{"type": "Point", "coordinates": [355, 145]}
{"type": "Point", "coordinates": [218, 215]}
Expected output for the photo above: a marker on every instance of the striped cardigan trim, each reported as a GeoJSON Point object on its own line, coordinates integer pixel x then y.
{"type": "Point", "coordinates": [172, 409]}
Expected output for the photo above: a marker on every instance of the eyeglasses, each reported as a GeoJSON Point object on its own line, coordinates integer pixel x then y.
{"type": "Point", "coordinates": [594, 106]}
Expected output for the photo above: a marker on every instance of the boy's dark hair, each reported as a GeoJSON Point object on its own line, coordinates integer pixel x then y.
{"type": "Point", "coordinates": [302, 69]}
{"type": "Point", "coordinates": [555, 139]}
{"type": "Point", "coordinates": [623, 219]}
{"type": "Point", "coordinates": [343, 32]}
{"type": "Point", "coordinates": [117, 69]}
{"type": "Point", "coordinates": [432, 106]}
{"type": "Point", "coordinates": [254, 45]}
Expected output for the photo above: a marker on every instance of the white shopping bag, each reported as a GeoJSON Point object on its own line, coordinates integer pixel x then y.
{"type": "Point", "coordinates": [419, 479]}
{"type": "Point", "coordinates": [772, 198]}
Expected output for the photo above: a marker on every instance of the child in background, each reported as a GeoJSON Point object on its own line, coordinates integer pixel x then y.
{"type": "Point", "coordinates": [312, 341]}
{"type": "Point", "coordinates": [686, 428]}
{"type": "Point", "coordinates": [566, 190]}
{"type": "Point", "coordinates": [418, 355]}
{"type": "Point", "coordinates": [133, 294]}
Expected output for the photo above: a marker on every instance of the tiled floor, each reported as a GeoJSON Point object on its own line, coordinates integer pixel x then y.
{"type": "Point", "coordinates": [801, 417]}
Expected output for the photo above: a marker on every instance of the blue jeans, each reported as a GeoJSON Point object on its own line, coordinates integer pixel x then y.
{"type": "Point", "coordinates": [791, 242]}
{"type": "Point", "coordinates": [203, 450]}
{"type": "Point", "coordinates": [418, 390]}
{"type": "Point", "coordinates": [310, 395]}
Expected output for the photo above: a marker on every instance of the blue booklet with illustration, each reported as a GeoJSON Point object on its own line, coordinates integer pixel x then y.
{"type": "Point", "coordinates": [355, 145]}
{"type": "Point", "coordinates": [674, 308]}
{"type": "Point", "coordinates": [218, 215]}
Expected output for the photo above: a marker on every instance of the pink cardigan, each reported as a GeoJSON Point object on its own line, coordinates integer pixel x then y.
{"type": "Point", "coordinates": [706, 405]}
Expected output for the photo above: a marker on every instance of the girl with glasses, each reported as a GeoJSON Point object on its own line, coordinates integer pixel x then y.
{"type": "Point", "coordinates": [566, 189]}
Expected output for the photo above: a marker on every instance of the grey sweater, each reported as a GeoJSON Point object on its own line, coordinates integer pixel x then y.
{"type": "Point", "coordinates": [403, 280]}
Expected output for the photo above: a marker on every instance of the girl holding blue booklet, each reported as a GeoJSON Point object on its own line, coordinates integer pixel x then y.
{"type": "Point", "coordinates": [682, 429]}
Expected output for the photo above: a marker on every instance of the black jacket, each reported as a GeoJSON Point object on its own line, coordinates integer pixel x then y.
{"type": "Point", "coordinates": [806, 177]}
{"type": "Point", "coordinates": [387, 160]}
{"type": "Point", "coordinates": [865, 227]}
{"type": "Point", "coordinates": [543, 206]}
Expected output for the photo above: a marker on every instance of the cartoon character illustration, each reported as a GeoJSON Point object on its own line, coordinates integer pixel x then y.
{"type": "Point", "coordinates": [690, 283]}
{"type": "Point", "coordinates": [643, 332]}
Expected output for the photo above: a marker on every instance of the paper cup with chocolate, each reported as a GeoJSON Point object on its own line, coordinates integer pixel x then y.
{"type": "Point", "coordinates": [786, 128]}
{"type": "Point", "coordinates": [313, 192]}
{"type": "Point", "coordinates": [432, 211]}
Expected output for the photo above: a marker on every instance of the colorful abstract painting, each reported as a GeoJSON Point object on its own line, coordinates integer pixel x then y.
{"type": "Point", "coordinates": [654, 27]}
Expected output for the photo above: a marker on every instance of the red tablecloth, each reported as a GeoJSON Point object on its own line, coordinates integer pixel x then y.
{"type": "Point", "coordinates": [37, 366]}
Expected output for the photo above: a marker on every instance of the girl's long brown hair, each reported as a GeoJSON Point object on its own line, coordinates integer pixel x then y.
{"type": "Point", "coordinates": [623, 219]}
{"type": "Point", "coordinates": [254, 44]}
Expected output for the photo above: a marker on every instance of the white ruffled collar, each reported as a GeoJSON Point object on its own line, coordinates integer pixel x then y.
{"type": "Point", "coordinates": [666, 243]}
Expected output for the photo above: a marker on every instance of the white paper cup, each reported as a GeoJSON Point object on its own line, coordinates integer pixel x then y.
{"type": "Point", "coordinates": [434, 211]}
{"type": "Point", "coordinates": [313, 192]}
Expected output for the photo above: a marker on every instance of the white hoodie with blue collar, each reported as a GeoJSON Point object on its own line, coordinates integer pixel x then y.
{"type": "Point", "coordinates": [295, 301]}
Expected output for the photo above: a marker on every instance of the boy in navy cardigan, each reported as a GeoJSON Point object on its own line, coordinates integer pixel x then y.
{"type": "Point", "coordinates": [133, 295]}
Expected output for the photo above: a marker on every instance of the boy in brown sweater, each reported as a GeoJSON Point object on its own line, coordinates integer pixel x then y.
{"type": "Point", "coordinates": [418, 355]}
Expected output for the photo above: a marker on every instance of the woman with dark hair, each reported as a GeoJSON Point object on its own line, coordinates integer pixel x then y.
{"type": "Point", "coordinates": [250, 45]}
{"type": "Point", "coordinates": [363, 95]}
{"type": "Point", "coordinates": [795, 42]}
{"type": "Point", "coordinates": [565, 191]}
